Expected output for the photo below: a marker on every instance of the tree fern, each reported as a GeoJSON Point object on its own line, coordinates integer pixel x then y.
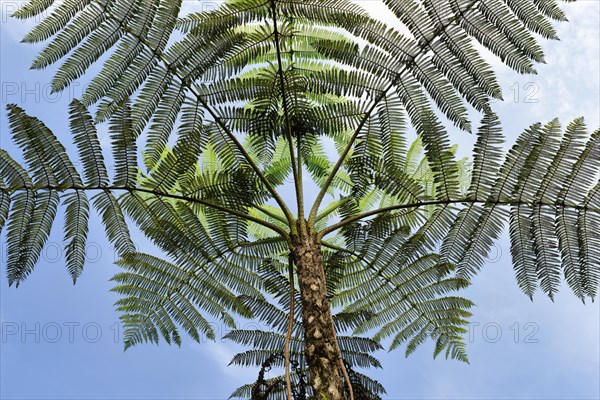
{"type": "Point", "coordinates": [227, 106]}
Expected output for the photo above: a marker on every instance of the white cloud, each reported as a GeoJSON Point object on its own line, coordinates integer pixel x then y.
{"type": "Point", "coordinates": [222, 354]}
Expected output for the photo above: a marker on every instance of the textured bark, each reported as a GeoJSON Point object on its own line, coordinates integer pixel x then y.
{"type": "Point", "coordinates": [319, 334]}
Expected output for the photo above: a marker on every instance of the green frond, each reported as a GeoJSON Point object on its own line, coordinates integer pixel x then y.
{"type": "Point", "coordinates": [76, 231]}
{"type": "Point", "coordinates": [5, 201]}
{"type": "Point", "coordinates": [400, 286]}
{"type": "Point", "coordinates": [164, 295]}
{"type": "Point", "coordinates": [439, 156]}
{"type": "Point", "coordinates": [88, 145]}
{"type": "Point", "coordinates": [57, 20]}
{"type": "Point", "coordinates": [537, 182]}
{"type": "Point", "coordinates": [32, 8]}
{"type": "Point", "coordinates": [45, 155]}
{"type": "Point", "coordinates": [124, 147]}
{"type": "Point", "coordinates": [487, 157]}
{"type": "Point", "coordinates": [23, 256]}
{"type": "Point", "coordinates": [14, 175]}
{"type": "Point", "coordinates": [589, 275]}
{"type": "Point", "coordinates": [223, 102]}
{"type": "Point", "coordinates": [114, 221]}
{"type": "Point", "coordinates": [529, 16]}
{"type": "Point", "coordinates": [550, 9]}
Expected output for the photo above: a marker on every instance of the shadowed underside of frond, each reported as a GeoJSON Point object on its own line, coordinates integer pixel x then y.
{"type": "Point", "coordinates": [215, 250]}
{"type": "Point", "coordinates": [221, 260]}
{"type": "Point", "coordinates": [241, 68]}
{"type": "Point", "coordinates": [233, 102]}
{"type": "Point", "coordinates": [542, 184]}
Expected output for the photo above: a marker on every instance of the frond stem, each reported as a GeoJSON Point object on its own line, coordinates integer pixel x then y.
{"type": "Point", "coordinates": [290, 328]}
{"type": "Point", "coordinates": [206, 203]}
{"type": "Point", "coordinates": [253, 165]}
{"type": "Point", "coordinates": [271, 214]}
{"type": "Point", "coordinates": [325, 213]}
{"type": "Point", "coordinates": [296, 168]}
{"type": "Point", "coordinates": [371, 213]}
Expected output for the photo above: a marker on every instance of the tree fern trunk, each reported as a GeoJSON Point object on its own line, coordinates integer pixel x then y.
{"type": "Point", "coordinates": [320, 347]}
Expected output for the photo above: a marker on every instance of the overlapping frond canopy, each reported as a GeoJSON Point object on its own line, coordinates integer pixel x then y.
{"type": "Point", "coordinates": [545, 187]}
{"type": "Point", "coordinates": [231, 105]}
{"type": "Point", "coordinates": [171, 216]}
{"type": "Point", "coordinates": [224, 261]}
{"type": "Point", "coordinates": [265, 67]}
{"type": "Point", "coordinates": [548, 185]}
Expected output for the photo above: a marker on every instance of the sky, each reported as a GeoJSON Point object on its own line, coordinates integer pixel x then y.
{"type": "Point", "coordinates": [60, 341]}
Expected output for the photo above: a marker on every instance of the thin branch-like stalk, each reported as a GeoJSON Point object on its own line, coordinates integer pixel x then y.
{"type": "Point", "coordinates": [488, 202]}
{"type": "Point", "coordinates": [342, 158]}
{"type": "Point", "coordinates": [247, 217]}
{"type": "Point", "coordinates": [425, 47]}
{"type": "Point", "coordinates": [341, 360]}
{"type": "Point", "coordinates": [300, 183]}
{"type": "Point", "coordinates": [290, 328]}
{"type": "Point", "coordinates": [262, 241]}
{"type": "Point", "coordinates": [332, 246]}
{"type": "Point", "coordinates": [298, 142]}
{"type": "Point", "coordinates": [289, 136]}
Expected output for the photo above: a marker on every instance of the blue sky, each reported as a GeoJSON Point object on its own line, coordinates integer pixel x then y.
{"type": "Point", "coordinates": [60, 341]}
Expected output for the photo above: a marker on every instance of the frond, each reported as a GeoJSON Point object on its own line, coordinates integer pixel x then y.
{"type": "Point", "coordinates": [32, 8]}
{"type": "Point", "coordinates": [76, 231]}
{"type": "Point", "coordinates": [44, 154]}
{"type": "Point", "coordinates": [439, 156]}
{"type": "Point", "coordinates": [220, 104]}
{"type": "Point", "coordinates": [402, 288]}
{"type": "Point", "coordinates": [542, 182]}
{"type": "Point", "coordinates": [86, 140]}
{"type": "Point", "coordinates": [33, 194]}
{"type": "Point", "coordinates": [124, 147]}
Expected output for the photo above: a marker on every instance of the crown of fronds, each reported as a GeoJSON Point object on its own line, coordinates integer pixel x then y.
{"type": "Point", "coordinates": [231, 104]}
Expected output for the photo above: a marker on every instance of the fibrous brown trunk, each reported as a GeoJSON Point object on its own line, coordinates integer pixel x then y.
{"type": "Point", "coordinates": [321, 351]}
